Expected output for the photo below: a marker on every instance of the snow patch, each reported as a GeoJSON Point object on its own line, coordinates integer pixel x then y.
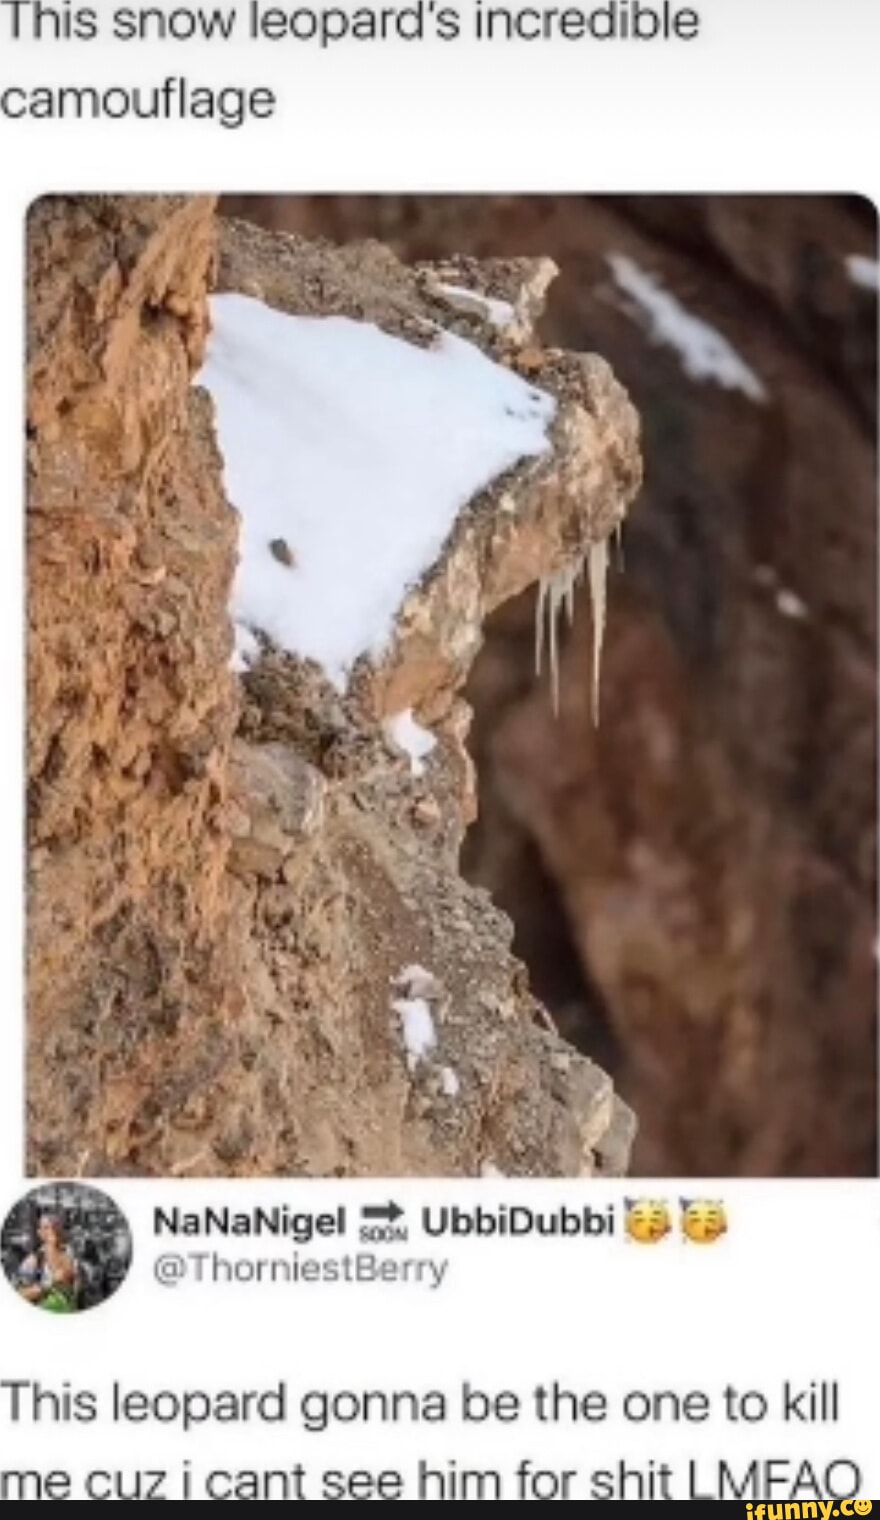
{"type": "Point", "coordinates": [407, 735]}
{"type": "Point", "coordinates": [864, 272]}
{"type": "Point", "coordinates": [788, 603]}
{"type": "Point", "coordinates": [490, 1171]}
{"type": "Point", "coordinates": [791, 606]}
{"type": "Point", "coordinates": [247, 649]}
{"type": "Point", "coordinates": [451, 1083]}
{"type": "Point", "coordinates": [704, 352]}
{"type": "Point", "coordinates": [359, 451]}
{"type": "Point", "coordinates": [419, 1029]}
{"type": "Point", "coordinates": [499, 314]}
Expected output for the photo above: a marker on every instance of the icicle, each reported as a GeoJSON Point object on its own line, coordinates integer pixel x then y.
{"type": "Point", "coordinates": [541, 626]}
{"type": "Point", "coordinates": [571, 580]}
{"type": "Point", "coordinates": [556, 600]}
{"type": "Point", "coordinates": [557, 593]}
{"type": "Point", "coordinates": [599, 557]}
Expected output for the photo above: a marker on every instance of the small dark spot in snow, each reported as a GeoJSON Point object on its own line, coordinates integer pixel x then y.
{"type": "Point", "coordinates": [282, 551]}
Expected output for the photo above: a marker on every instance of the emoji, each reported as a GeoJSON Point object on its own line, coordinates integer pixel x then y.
{"type": "Point", "coordinates": [648, 1220]}
{"type": "Point", "coordinates": [703, 1221]}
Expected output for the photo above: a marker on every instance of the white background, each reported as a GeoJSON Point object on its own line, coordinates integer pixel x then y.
{"type": "Point", "coordinates": [780, 95]}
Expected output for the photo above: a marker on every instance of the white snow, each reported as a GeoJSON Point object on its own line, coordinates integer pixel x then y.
{"type": "Point", "coordinates": [864, 272]}
{"type": "Point", "coordinates": [247, 649]}
{"type": "Point", "coordinates": [788, 603]}
{"type": "Point", "coordinates": [704, 352]}
{"type": "Point", "coordinates": [490, 1171]}
{"type": "Point", "coordinates": [500, 313]}
{"type": "Point", "coordinates": [416, 982]}
{"type": "Point", "coordinates": [359, 451]}
{"type": "Point", "coordinates": [419, 1029]}
{"type": "Point", "coordinates": [407, 735]}
{"type": "Point", "coordinates": [451, 1082]}
{"type": "Point", "coordinates": [791, 606]}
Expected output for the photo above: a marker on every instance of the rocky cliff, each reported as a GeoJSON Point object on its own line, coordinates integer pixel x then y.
{"type": "Point", "coordinates": [251, 950]}
{"type": "Point", "coordinates": [694, 884]}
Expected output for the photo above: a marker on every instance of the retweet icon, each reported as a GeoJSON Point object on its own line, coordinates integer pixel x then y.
{"type": "Point", "coordinates": [703, 1221]}
{"type": "Point", "coordinates": [648, 1220]}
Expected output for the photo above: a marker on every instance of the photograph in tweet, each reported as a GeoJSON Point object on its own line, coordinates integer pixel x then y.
{"type": "Point", "coordinates": [451, 700]}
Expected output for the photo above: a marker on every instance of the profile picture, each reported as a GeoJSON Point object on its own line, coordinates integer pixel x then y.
{"type": "Point", "coordinates": [66, 1248]}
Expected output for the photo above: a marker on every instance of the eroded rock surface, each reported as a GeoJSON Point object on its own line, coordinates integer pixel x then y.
{"type": "Point", "coordinates": [131, 711]}
{"type": "Point", "coordinates": [237, 887]}
{"type": "Point", "coordinates": [695, 885]}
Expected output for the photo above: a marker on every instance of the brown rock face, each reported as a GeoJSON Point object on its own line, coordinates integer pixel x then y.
{"type": "Point", "coordinates": [694, 885]}
{"type": "Point", "coordinates": [130, 550]}
{"type": "Point", "coordinates": [237, 887]}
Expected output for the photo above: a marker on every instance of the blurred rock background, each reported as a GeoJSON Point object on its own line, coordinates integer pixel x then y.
{"type": "Point", "coordinates": [694, 884]}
